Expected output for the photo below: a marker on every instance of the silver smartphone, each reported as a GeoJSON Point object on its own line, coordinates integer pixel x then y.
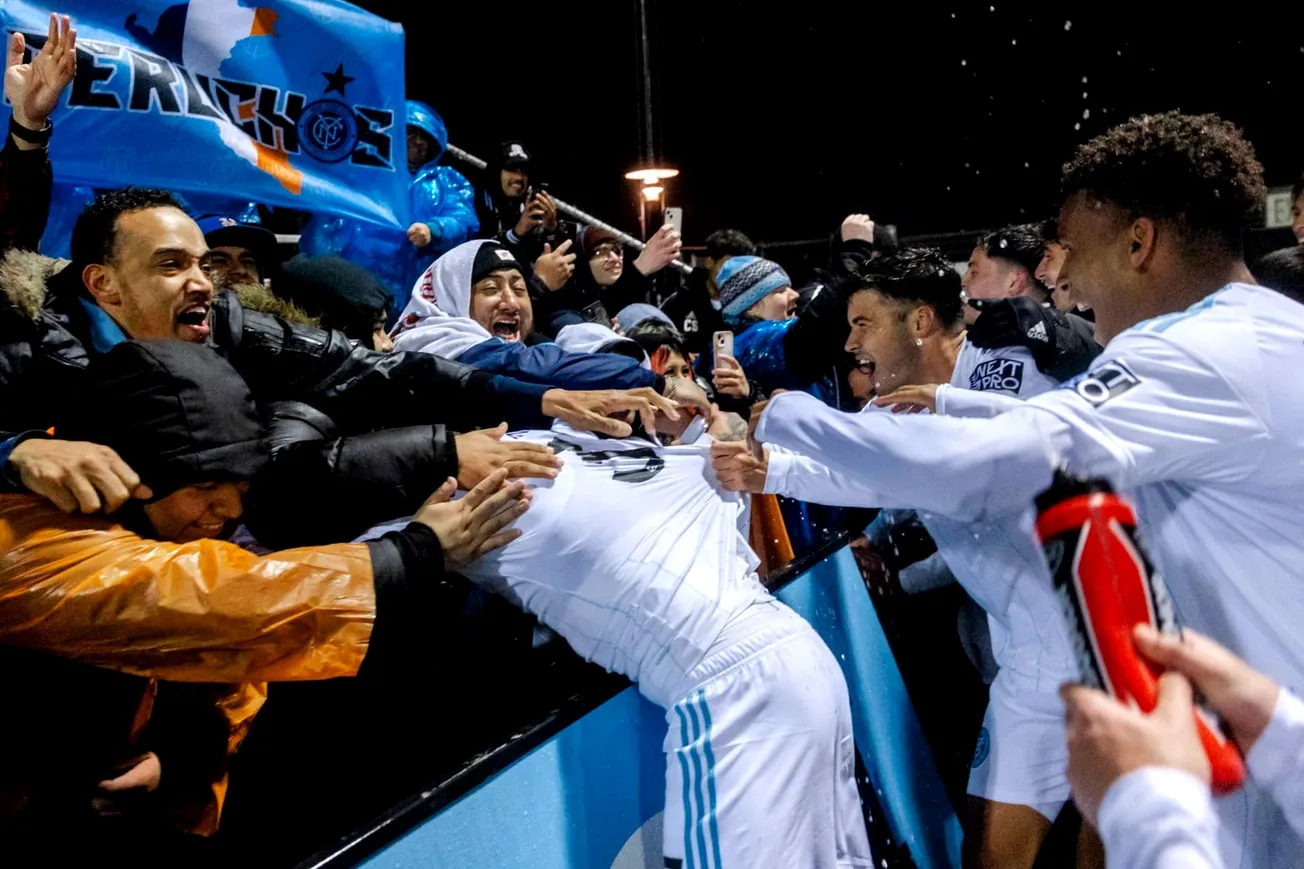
{"type": "Point", "coordinates": [675, 217]}
{"type": "Point", "coordinates": [722, 342]}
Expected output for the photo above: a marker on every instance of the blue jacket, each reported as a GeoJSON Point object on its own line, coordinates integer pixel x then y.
{"type": "Point", "coordinates": [439, 196]}
{"type": "Point", "coordinates": [762, 350]}
{"type": "Point", "coordinates": [549, 365]}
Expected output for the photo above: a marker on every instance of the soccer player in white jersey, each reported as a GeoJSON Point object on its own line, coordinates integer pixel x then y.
{"type": "Point", "coordinates": [907, 327]}
{"type": "Point", "coordinates": [634, 555]}
{"type": "Point", "coordinates": [1195, 409]}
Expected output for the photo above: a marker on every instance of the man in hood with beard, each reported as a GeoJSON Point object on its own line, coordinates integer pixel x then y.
{"type": "Point", "coordinates": [473, 305]}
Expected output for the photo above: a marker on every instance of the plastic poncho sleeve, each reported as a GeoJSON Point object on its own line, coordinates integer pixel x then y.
{"type": "Point", "coordinates": [550, 365]}
{"type": "Point", "coordinates": [325, 235]}
{"type": "Point", "coordinates": [448, 209]}
{"type": "Point", "coordinates": [86, 588]}
{"type": "Point", "coordinates": [195, 729]}
{"type": "Point", "coordinates": [761, 349]}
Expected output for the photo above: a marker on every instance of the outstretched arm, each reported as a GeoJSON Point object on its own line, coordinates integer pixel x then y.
{"type": "Point", "coordinates": [33, 90]}
{"type": "Point", "coordinates": [960, 468]}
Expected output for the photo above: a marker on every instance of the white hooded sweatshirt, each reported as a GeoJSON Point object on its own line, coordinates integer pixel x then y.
{"type": "Point", "coordinates": [437, 318]}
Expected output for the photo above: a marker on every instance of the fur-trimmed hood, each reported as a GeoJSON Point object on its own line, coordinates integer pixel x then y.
{"type": "Point", "coordinates": [25, 282]}
{"type": "Point", "coordinates": [25, 277]}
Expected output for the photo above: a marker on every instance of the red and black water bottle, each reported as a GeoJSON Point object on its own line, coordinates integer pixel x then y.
{"type": "Point", "coordinates": [1108, 586]}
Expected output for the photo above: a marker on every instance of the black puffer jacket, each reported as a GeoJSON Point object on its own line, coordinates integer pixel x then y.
{"type": "Point", "coordinates": [44, 351]}
{"type": "Point", "coordinates": [314, 472]}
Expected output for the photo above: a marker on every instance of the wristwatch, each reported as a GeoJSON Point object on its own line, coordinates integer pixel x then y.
{"type": "Point", "coordinates": [34, 137]}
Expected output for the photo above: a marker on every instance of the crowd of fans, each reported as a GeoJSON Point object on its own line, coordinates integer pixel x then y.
{"type": "Point", "coordinates": [193, 428]}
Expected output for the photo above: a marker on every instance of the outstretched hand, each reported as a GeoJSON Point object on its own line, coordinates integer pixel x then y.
{"type": "Point", "coordinates": [34, 88]}
{"type": "Point", "coordinates": [476, 523]}
{"type": "Point", "coordinates": [480, 453]}
{"type": "Point", "coordinates": [594, 410]}
{"type": "Point", "coordinates": [737, 469]}
{"type": "Point", "coordinates": [76, 475]}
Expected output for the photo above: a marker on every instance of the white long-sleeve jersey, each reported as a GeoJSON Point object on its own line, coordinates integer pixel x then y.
{"type": "Point", "coordinates": [997, 559]}
{"type": "Point", "coordinates": [632, 553]}
{"type": "Point", "coordinates": [1199, 417]}
{"type": "Point", "coordinates": [1158, 818]}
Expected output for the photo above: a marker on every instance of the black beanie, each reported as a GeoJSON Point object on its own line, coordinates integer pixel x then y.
{"type": "Point", "coordinates": [176, 412]}
{"type": "Point", "coordinates": [346, 296]}
{"type": "Point", "coordinates": [515, 155]}
{"type": "Point", "coordinates": [493, 257]}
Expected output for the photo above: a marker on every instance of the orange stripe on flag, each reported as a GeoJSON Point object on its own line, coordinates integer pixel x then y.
{"type": "Point", "coordinates": [264, 22]}
{"type": "Point", "coordinates": [277, 164]}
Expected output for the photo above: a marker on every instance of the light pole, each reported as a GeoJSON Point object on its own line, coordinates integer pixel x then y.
{"type": "Point", "coordinates": [651, 190]}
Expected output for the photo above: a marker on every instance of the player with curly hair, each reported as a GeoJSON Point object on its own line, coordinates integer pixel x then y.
{"type": "Point", "coordinates": [1193, 410]}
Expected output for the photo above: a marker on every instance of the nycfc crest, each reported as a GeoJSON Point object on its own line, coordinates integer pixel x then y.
{"type": "Point", "coordinates": [327, 131]}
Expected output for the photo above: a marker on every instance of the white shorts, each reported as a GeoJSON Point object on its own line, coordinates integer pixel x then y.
{"type": "Point", "coordinates": [760, 762]}
{"type": "Point", "coordinates": [1022, 752]}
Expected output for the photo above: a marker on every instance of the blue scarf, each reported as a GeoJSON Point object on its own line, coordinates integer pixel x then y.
{"type": "Point", "coordinates": [105, 333]}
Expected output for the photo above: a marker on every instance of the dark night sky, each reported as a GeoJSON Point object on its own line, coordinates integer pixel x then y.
{"type": "Point", "coordinates": [935, 117]}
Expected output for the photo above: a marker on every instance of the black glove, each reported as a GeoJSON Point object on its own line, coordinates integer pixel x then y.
{"type": "Point", "coordinates": [1062, 345]}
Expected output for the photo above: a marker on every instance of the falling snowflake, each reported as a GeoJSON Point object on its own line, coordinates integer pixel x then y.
{"type": "Point", "coordinates": [1086, 113]}
{"type": "Point", "coordinates": [1077, 126]}
{"type": "Point", "coordinates": [1004, 243]}
{"type": "Point", "coordinates": [1025, 165]}
{"type": "Point", "coordinates": [1084, 95]}
{"type": "Point", "coordinates": [1084, 79]}
{"type": "Point", "coordinates": [1068, 25]}
{"type": "Point", "coordinates": [1014, 42]}
{"type": "Point", "coordinates": [964, 63]}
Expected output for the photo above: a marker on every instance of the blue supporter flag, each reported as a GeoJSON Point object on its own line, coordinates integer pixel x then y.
{"type": "Point", "coordinates": [298, 103]}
